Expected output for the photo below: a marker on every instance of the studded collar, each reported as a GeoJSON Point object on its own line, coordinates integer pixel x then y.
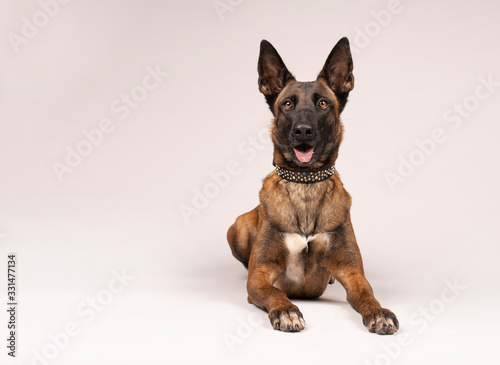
{"type": "Point", "coordinates": [304, 177]}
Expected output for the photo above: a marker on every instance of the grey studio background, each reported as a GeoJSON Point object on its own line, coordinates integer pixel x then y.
{"type": "Point", "coordinates": [132, 134]}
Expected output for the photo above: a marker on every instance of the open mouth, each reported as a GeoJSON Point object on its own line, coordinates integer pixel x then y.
{"type": "Point", "coordinates": [303, 152]}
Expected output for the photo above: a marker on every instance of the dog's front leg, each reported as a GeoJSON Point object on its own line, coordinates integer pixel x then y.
{"type": "Point", "coordinates": [360, 296]}
{"type": "Point", "coordinates": [348, 270]}
{"type": "Point", "coordinates": [283, 314]}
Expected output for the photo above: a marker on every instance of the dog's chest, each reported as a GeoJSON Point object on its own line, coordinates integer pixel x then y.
{"type": "Point", "coordinates": [306, 203]}
{"type": "Point", "coordinates": [303, 254]}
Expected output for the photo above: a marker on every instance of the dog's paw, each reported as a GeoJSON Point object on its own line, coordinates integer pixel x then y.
{"type": "Point", "coordinates": [381, 321]}
{"type": "Point", "coordinates": [287, 319]}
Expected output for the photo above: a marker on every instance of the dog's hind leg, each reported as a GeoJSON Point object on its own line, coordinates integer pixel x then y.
{"type": "Point", "coordinates": [241, 235]}
{"type": "Point", "coordinates": [332, 279]}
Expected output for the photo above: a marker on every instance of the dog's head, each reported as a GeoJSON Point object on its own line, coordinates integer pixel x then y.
{"type": "Point", "coordinates": [306, 129]}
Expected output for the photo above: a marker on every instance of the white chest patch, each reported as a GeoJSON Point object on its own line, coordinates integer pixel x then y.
{"type": "Point", "coordinates": [296, 245]}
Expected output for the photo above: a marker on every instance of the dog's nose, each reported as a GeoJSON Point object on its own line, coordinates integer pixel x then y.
{"type": "Point", "coordinates": [303, 132]}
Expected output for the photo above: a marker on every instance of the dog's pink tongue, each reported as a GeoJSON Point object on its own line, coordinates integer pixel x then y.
{"type": "Point", "coordinates": [304, 156]}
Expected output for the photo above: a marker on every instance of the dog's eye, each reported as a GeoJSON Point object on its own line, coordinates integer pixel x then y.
{"type": "Point", "coordinates": [288, 104]}
{"type": "Point", "coordinates": [322, 104]}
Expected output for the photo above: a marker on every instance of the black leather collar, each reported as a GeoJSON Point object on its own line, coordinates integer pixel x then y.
{"type": "Point", "coordinates": [304, 177]}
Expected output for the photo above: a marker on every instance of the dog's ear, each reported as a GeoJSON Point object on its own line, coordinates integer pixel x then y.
{"type": "Point", "coordinates": [337, 71]}
{"type": "Point", "coordinates": [273, 74]}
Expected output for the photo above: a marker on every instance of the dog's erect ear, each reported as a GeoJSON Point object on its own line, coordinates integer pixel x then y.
{"type": "Point", "coordinates": [337, 71]}
{"type": "Point", "coordinates": [273, 74]}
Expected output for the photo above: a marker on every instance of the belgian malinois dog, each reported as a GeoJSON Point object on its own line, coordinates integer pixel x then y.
{"type": "Point", "coordinates": [300, 237]}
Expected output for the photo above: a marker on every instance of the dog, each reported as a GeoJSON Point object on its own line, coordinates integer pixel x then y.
{"type": "Point", "coordinates": [300, 238]}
